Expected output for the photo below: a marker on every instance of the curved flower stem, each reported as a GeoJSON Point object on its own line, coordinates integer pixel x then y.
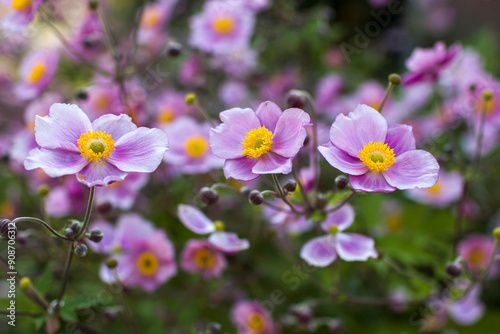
{"type": "Point", "coordinates": [282, 194]}
{"type": "Point", "coordinates": [42, 223]}
{"type": "Point", "coordinates": [87, 214]}
{"type": "Point", "coordinates": [480, 134]}
{"type": "Point", "coordinates": [204, 113]}
{"type": "Point", "coordinates": [65, 276]}
{"type": "Point", "coordinates": [315, 157]}
{"type": "Point", "coordinates": [343, 202]}
{"type": "Point", "coordinates": [387, 92]}
{"type": "Point", "coordinates": [302, 190]}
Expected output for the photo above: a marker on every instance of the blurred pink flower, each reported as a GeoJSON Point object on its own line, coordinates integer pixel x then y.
{"type": "Point", "coordinates": [199, 256]}
{"type": "Point", "coordinates": [252, 318]}
{"type": "Point", "coordinates": [447, 190]}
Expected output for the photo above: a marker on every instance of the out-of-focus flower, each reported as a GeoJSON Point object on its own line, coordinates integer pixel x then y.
{"type": "Point", "coordinates": [153, 20]}
{"type": "Point", "coordinates": [168, 107]}
{"type": "Point", "coordinates": [88, 39]}
{"type": "Point", "coordinates": [322, 251]}
{"type": "Point", "coordinates": [191, 72]}
{"type": "Point", "coordinates": [190, 152]}
{"type": "Point", "coordinates": [237, 62]}
{"type": "Point", "coordinates": [36, 72]}
{"type": "Point", "coordinates": [252, 5]}
{"type": "Point", "coordinates": [199, 256]}
{"type": "Point", "coordinates": [287, 221]}
{"type": "Point", "coordinates": [260, 142]}
{"type": "Point", "coordinates": [196, 221]}
{"type": "Point", "coordinates": [252, 318]}
{"type": "Point", "coordinates": [447, 190]}
{"type": "Point", "coordinates": [233, 93]}
{"type": "Point", "coordinates": [378, 158]}
{"type": "Point", "coordinates": [328, 92]}
{"type": "Point", "coordinates": [122, 195]}
{"type": "Point", "coordinates": [477, 250]}
{"type": "Point", "coordinates": [100, 152]}
{"type": "Point", "coordinates": [425, 65]}
{"type": "Point", "coordinates": [20, 15]}
{"type": "Point", "coordinates": [67, 198]}
{"type": "Point", "coordinates": [221, 27]}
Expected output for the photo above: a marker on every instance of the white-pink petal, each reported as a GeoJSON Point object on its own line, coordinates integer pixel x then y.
{"type": "Point", "coordinates": [320, 251]}
{"type": "Point", "coordinates": [194, 219]}
{"type": "Point", "coordinates": [355, 247]}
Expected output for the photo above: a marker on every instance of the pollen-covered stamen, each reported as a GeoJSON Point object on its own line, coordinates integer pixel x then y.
{"type": "Point", "coordinates": [257, 142]}
{"type": "Point", "coordinates": [256, 322]}
{"type": "Point", "coordinates": [378, 157]}
{"type": "Point", "coordinates": [223, 24]}
{"type": "Point", "coordinates": [333, 230]}
{"type": "Point", "coordinates": [20, 4]}
{"type": "Point", "coordinates": [204, 258]}
{"type": "Point", "coordinates": [196, 146]}
{"type": "Point", "coordinates": [95, 146]}
{"type": "Point", "coordinates": [147, 263]}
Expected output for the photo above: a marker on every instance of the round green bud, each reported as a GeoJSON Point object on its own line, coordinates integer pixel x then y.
{"type": "Point", "coordinates": [219, 226]}
{"type": "Point", "coordinates": [496, 233]}
{"type": "Point", "coordinates": [334, 229]}
{"type": "Point", "coordinates": [190, 98]}
{"type": "Point", "coordinates": [24, 283]}
{"type": "Point", "coordinates": [394, 79]}
{"type": "Point", "coordinates": [487, 94]}
{"type": "Point", "coordinates": [111, 263]}
{"type": "Point", "coordinates": [43, 190]}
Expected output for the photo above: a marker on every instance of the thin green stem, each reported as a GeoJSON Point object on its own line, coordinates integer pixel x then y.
{"type": "Point", "coordinates": [343, 202]}
{"type": "Point", "coordinates": [88, 212]}
{"type": "Point", "coordinates": [42, 223]}
{"type": "Point", "coordinates": [204, 113]}
{"type": "Point", "coordinates": [302, 190]}
{"type": "Point", "coordinates": [282, 194]}
{"type": "Point", "coordinates": [62, 288]}
{"type": "Point", "coordinates": [387, 92]}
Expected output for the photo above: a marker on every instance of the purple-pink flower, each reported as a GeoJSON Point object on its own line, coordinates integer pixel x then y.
{"type": "Point", "coordinates": [100, 152]}
{"type": "Point", "coordinates": [20, 15]}
{"type": "Point", "coordinates": [322, 251]}
{"type": "Point", "coordinates": [260, 142]}
{"type": "Point", "coordinates": [477, 250]}
{"type": "Point", "coordinates": [378, 158]}
{"type": "Point", "coordinates": [447, 190]}
{"type": "Point", "coordinates": [200, 256]}
{"type": "Point", "coordinates": [426, 65]}
{"type": "Point", "coordinates": [196, 221]}
{"type": "Point", "coordinates": [252, 318]}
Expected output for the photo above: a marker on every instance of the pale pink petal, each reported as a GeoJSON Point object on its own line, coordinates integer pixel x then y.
{"type": "Point", "coordinates": [140, 151]}
{"type": "Point", "coordinates": [370, 182]}
{"type": "Point", "coordinates": [400, 138]}
{"type": "Point", "coordinates": [240, 169]}
{"type": "Point", "coordinates": [195, 220]}
{"type": "Point", "coordinates": [65, 124]}
{"type": "Point", "coordinates": [114, 125]}
{"type": "Point", "coordinates": [100, 175]}
{"type": "Point", "coordinates": [341, 160]}
{"type": "Point", "coordinates": [228, 242]}
{"type": "Point", "coordinates": [290, 132]}
{"type": "Point", "coordinates": [269, 114]}
{"type": "Point", "coordinates": [360, 127]}
{"type": "Point", "coordinates": [413, 169]}
{"type": "Point", "coordinates": [343, 218]}
{"type": "Point", "coordinates": [55, 162]}
{"type": "Point", "coordinates": [355, 247]}
{"type": "Point", "coordinates": [319, 252]}
{"type": "Point", "coordinates": [271, 163]}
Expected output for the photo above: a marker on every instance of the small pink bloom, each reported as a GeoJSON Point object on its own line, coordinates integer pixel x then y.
{"type": "Point", "coordinates": [477, 251]}
{"type": "Point", "coordinates": [252, 318]}
{"type": "Point", "coordinates": [20, 15]}
{"type": "Point", "coordinates": [447, 190]}
{"type": "Point", "coordinates": [199, 256]}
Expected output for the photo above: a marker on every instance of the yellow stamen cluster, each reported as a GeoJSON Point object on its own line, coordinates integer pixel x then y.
{"type": "Point", "coordinates": [150, 18]}
{"type": "Point", "coordinates": [166, 115]}
{"type": "Point", "coordinates": [95, 146]}
{"type": "Point", "coordinates": [147, 263]}
{"type": "Point", "coordinates": [257, 142]}
{"type": "Point", "coordinates": [196, 146]}
{"type": "Point", "coordinates": [20, 4]}
{"type": "Point", "coordinates": [204, 258]}
{"type": "Point", "coordinates": [333, 229]}
{"type": "Point", "coordinates": [256, 322]}
{"type": "Point", "coordinates": [223, 24]}
{"type": "Point", "coordinates": [37, 72]}
{"type": "Point", "coordinates": [435, 189]}
{"type": "Point", "coordinates": [476, 257]}
{"type": "Point", "coordinates": [378, 157]}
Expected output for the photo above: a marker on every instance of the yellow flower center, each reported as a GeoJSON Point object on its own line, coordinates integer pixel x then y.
{"type": "Point", "coordinates": [150, 18]}
{"type": "Point", "coordinates": [96, 146]}
{"type": "Point", "coordinates": [196, 146]}
{"type": "Point", "coordinates": [204, 258]}
{"type": "Point", "coordinates": [257, 142]}
{"type": "Point", "coordinates": [256, 322]}
{"type": "Point", "coordinates": [223, 24]}
{"type": "Point", "coordinates": [491, 106]}
{"type": "Point", "coordinates": [378, 157]}
{"type": "Point", "coordinates": [476, 257]}
{"type": "Point", "coordinates": [20, 4]}
{"type": "Point", "coordinates": [116, 249]}
{"type": "Point", "coordinates": [334, 229]}
{"type": "Point", "coordinates": [102, 102]}
{"type": "Point", "coordinates": [435, 189]}
{"type": "Point", "coordinates": [147, 263]}
{"type": "Point", "coordinates": [166, 115]}
{"type": "Point", "coordinates": [37, 72]}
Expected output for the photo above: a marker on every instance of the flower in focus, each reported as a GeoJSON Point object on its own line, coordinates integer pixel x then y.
{"type": "Point", "coordinates": [425, 65]}
{"type": "Point", "coordinates": [100, 152]}
{"type": "Point", "coordinates": [200, 256]}
{"type": "Point", "coordinates": [36, 72]}
{"type": "Point", "coordinates": [378, 158]}
{"type": "Point", "coordinates": [221, 27]}
{"type": "Point", "coordinates": [322, 251]}
{"type": "Point", "coordinates": [252, 318]}
{"type": "Point", "coordinates": [260, 142]}
{"type": "Point", "coordinates": [20, 15]}
{"type": "Point", "coordinates": [196, 221]}
{"type": "Point", "coordinates": [447, 190]}
{"type": "Point", "coordinates": [477, 250]}
{"type": "Point", "coordinates": [190, 152]}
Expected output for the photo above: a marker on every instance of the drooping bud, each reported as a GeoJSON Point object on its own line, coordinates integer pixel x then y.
{"type": "Point", "coordinates": [81, 250]}
{"type": "Point", "coordinates": [76, 226]}
{"type": "Point", "coordinates": [303, 313]}
{"type": "Point", "coordinates": [24, 283]}
{"type": "Point", "coordinates": [96, 235]}
{"type": "Point", "coordinates": [8, 229]}
{"type": "Point", "coordinates": [290, 186]}
{"type": "Point", "coordinates": [174, 49]}
{"type": "Point", "coordinates": [296, 99]}
{"type": "Point", "coordinates": [453, 269]}
{"type": "Point", "coordinates": [255, 197]}
{"type": "Point", "coordinates": [190, 98]}
{"type": "Point", "coordinates": [208, 196]}
{"type": "Point", "coordinates": [111, 263]}
{"type": "Point", "coordinates": [245, 190]}
{"type": "Point", "coordinates": [69, 232]}
{"type": "Point", "coordinates": [341, 181]}
{"type": "Point", "coordinates": [394, 79]}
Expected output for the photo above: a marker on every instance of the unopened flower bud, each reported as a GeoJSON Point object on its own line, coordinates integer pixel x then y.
{"type": "Point", "coordinates": [8, 230]}
{"type": "Point", "coordinates": [453, 269]}
{"type": "Point", "coordinates": [303, 313]}
{"type": "Point", "coordinates": [24, 283]}
{"type": "Point", "coordinates": [487, 94]}
{"type": "Point", "coordinates": [245, 190]}
{"type": "Point", "coordinates": [290, 186]}
{"type": "Point", "coordinates": [76, 226]}
{"type": "Point", "coordinates": [255, 197]}
{"type": "Point", "coordinates": [174, 49]}
{"type": "Point", "coordinates": [96, 235]}
{"type": "Point", "coordinates": [81, 250]}
{"type": "Point", "coordinates": [496, 233]}
{"type": "Point", "coordinates": [341, 181]}
{"type": "Point", "coordinates": [43, 190]}
{"type": "Point", "coordinates": [320, 201]}
{"type": "Point", "coordinates": [296, 99]}
{"type": "Point", "coordinates": [81, 94]}
{"type": "Point", "coordinates": [190, 98]}
{"type": "Point", "coordinates": [93, 4]}
{"type": "Point", "coordinates": [111, 263]}
{"type": "Point", "coordinates": [214, 328]}
{"type": "Point", "coordinates": [69, 232]}
{"type": "Point", "coordinates": [394, 79]}
{"type": "Point", "coordinates": [208, 196]}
